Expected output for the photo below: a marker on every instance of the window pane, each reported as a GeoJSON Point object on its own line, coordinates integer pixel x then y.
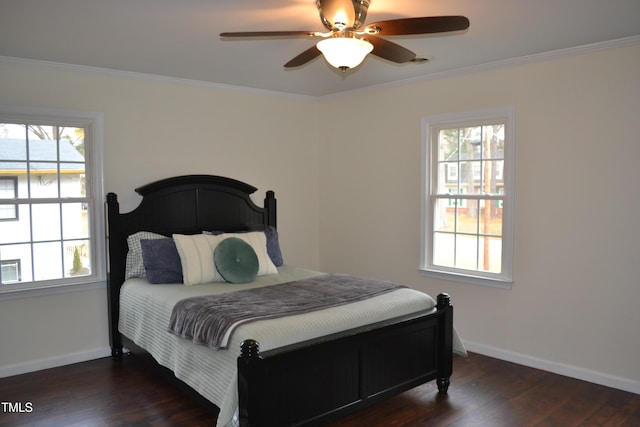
{"type": "Point", "coordinates": [467, 217]}
{"type": "Point", "coordinates": [43, 183]}
{"type": "Point", "coordinates": [72, 144]}
{"type": "Point", "coordinates": [46, 222]}
{"type": "Point", "coordinates": [447, 177]}
{"type": "Point", "coordinates": [43, 149]}
{"type": "Point", "coordinates": [16, 231]}
{"type": "Point", "coordinates": [14, 131]}
{"type": "Point", "coordinates": [497, 170]}
{"type": "Point", "coordinates": [448, 145]}
{"type": "Point", "coordinates": [13, 146]}
{"type": "Point", "coordinates": [445, 215]}
{"type": "Point", "coordinates": [491, 218]}
{"type": "Point", "coordinates": [470, 176]}
{"type": "Point", "coordinates": [466, 252]}
{"type": "Point", "coordinates": [470, 142]}
{"type": "Point", "coordinates": [21, 253]}
{"type": "Point", "coordinates": [444, 249]}
{"type": "Point", "coordinates": [490, 254]}
{"type": "Point", "coordinates": [72, 180]}
{"type": "Point", "coordinates": [77, 259]}
{"type": "Point", "coordinates": [47, 261]}
{"type": "Point", "coordinates": [75, 221]}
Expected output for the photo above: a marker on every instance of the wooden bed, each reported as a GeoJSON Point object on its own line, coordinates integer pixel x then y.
{"type": "Point", "coordinates": [306, 383]}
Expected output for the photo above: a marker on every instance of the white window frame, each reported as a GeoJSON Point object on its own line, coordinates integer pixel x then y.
{"type": "Point", "coordinates": [94, 122]}
{"type": "Point", "coordinates": [504, 279]}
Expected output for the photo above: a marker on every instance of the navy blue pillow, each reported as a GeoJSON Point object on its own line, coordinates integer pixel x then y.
{"type": "Point", "coordinates": [273, 245]}
{"type": "Point", "coordinates": [161, 261]}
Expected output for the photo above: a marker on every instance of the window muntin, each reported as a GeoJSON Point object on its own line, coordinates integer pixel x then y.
{"type": "Point", "coordinates": [468, 200]}
{"type": "Point", "coordinates": [56, 236]}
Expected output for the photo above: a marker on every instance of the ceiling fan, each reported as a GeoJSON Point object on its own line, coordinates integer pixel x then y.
{"type": "Point", "coordinates": [348, 41]}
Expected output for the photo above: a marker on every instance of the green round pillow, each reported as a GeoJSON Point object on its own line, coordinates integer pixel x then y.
{"type": "Point", "coordinates": [236, 261]}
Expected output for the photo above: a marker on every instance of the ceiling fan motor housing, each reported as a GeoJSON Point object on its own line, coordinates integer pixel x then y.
{"type": "Point", "coordinates": [337, 15]}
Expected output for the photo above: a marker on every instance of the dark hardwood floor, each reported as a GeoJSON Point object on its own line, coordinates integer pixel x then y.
{"type": "Point", "coordinates": [483, 392]}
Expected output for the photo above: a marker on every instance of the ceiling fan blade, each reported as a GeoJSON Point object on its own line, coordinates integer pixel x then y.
{"type": "Point", "coordinates": [269, 34]}
{"type": "Point", "coordinates": [389, 50]}
{"type": "Point", "coordinates": [304, 57]}
{"type": "Point", "coordinates": [424, 25]}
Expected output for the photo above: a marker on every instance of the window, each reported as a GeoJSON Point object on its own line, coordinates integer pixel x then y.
{"type": "Point", "coordinates": [8, 190]}
{"type": "Point", "coordinates": [10, 272]}
{"type": "Point", "coordinates": [468, 198]}
{"type": "Point", "coordinates": [51, 216]}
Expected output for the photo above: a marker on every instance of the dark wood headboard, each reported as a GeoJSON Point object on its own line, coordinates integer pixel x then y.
{"type": "Point", "coordinates": [186, 204]}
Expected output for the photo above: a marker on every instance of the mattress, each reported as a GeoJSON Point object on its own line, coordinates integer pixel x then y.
{"type": "Point", "coordinates": [145, 310]}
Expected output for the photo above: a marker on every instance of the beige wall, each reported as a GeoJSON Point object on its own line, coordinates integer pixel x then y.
{"type": "Point", "coordinates": [154, 129]}
{"type": "Point", "coordinates": [353, 204]}
{"type": "Point", "coordinates": [577, 270]}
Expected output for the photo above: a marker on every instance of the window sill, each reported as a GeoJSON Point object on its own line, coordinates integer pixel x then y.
{"type": "Point", "coordinates": [35, 290]}
{"type": "Point", "coordinates": [467, 278]}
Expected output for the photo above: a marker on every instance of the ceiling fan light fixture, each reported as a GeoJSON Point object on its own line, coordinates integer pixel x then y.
{"type": "Point", "coordinates": [344, 52]}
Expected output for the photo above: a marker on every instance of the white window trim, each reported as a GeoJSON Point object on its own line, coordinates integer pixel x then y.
{"type": "Point", "coordinates": [505, 278]}
{"type": "Point", "coordinates": [95, 121]}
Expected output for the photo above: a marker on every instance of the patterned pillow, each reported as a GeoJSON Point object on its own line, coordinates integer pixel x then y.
{"type": "Point", "coordinates": [134, 266]}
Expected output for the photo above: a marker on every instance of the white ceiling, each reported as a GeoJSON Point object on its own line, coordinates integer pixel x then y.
{"type": "Point", "coordinates": [180, 38]}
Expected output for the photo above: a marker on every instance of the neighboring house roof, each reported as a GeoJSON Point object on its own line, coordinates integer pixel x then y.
{"type": "Point", "coordinates": [42, 155]}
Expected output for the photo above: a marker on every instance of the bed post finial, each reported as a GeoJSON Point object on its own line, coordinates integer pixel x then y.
{"type": "Point", "coordinates": [444, 300]}
{"type": "Point", "coordinates": [250, 376]}
{"type": "Point", "coordinates": [270, 207]}
{"type": "Point", "coordinates": [249, 349]}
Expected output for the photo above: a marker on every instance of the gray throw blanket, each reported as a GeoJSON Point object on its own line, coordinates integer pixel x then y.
{"type": "Point", "coordinates": [207, 319]}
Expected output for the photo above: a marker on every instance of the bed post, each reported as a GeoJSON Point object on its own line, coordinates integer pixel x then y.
{"type": "Point", "coordinates": [113, 280]}
{"type": "Point", "coordinates": [445, 343]}
{"type": "Point", "coordinates": [270, 208]}
{"type": "Point", "coordinates": [248, 393]}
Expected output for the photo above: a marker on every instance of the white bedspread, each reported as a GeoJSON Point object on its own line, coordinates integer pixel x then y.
{"type": "Point", "coordinates": [145, 311]}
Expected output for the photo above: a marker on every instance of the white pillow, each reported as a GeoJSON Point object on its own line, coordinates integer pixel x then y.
{"type": "Point", "coordinates": [196, 255]}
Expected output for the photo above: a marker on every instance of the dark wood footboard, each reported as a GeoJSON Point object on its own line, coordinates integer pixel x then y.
{"type": "Point", "coordinates": [313, 382]}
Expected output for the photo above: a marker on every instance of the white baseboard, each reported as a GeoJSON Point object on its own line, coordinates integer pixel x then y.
{"type": "Point", "coordinates": [53, 362]}
{"type": "Point", "coordinates": [577, 372]}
